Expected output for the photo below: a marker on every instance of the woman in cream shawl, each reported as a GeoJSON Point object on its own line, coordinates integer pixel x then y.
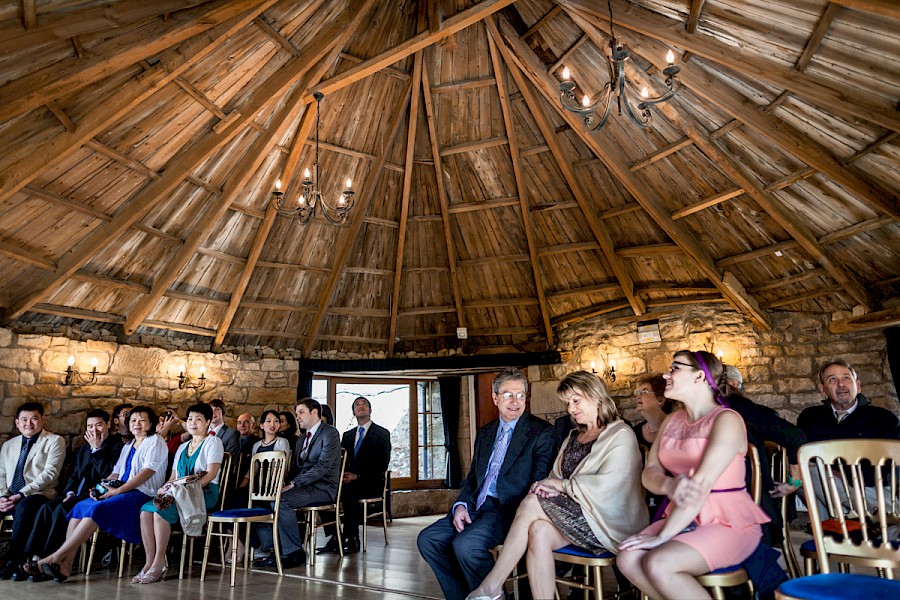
{"type": "Point", "coordinates": [592, 498]}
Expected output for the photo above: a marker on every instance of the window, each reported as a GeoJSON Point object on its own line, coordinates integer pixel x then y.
{"type": "Point", "coordinates": [410, 410]}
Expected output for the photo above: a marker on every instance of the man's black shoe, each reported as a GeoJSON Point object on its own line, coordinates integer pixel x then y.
{"type": "Point", "coordinates": [331, 547]}
{"type": "Point", "coordinates": [9, 569]}
{"type": "Point", "coordinates": [263, 563]}
{"type": "Point", "coordinates": [351, 546]}
{"type": "Point", "coordinates": [294, 559]}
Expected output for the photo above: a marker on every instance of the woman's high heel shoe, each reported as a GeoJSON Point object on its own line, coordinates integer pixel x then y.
{"type": "Point", "coordinates": [154, 574]}
{"type": "Point", "coordinates": [137, 578]}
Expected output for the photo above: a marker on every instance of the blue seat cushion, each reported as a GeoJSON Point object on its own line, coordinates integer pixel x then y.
{"type": "Point", "coordinates": [726, 570]}
{"type": "Point", "coordinates": [841, 586]}
{"type": "Point", "coordinates": [808, 546]}
{"type": "Point", "coordinates": [242, 513]}
{"type": "Point", "coordinates": [573, 550]}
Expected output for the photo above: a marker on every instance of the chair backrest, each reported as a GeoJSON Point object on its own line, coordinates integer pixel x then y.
{"type": "Point", "coordinates": [755, 474]}
{"type": "Point", "coordinates": [387, 489]}
{"type": "Point", "coordinates": [225, 478]}
{"type": "Point", "coordinates": [863, 526]}
{"type": "Point", "coordinates": [341, 479]}
{"type": "Point", "coordinates": [267, 471]}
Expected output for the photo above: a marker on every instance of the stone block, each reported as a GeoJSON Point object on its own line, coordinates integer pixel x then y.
{"type": "Point", "coordinates": [758, 373]}
{"type": "Point", "coordinates": [772, 351]}
{"type": "Point", "coordinates": [42, 390]}
{"type": "Point", "coordinates": [26, 378]}
{"type": "Point", "coordinates": [794, 384]}
{"type": "Point", "coordinates": [11, 375]}
{"type": "Point", "coordinates": [27, 340]}
{"type": "Point", "coordinates": [131, 382]}
{"type": "Point", "coordinates": [6, 337]}
{"type": "Point", "coordinates": [22, 359]}
{"type": "Point", "coordinates": [272, 364]}
{"type": "Point", "coordinates": [802, 400]}
{"type": "Point", "coordinates": [772, 400]}
{"type": "Point", "coordinates": [799, 350]}
{"type": "Point", "coordinates": [794, 365]}
{"type": "Point", "coordinates": [94, 391]}
{"type": "Point", "coordinates": [282, 397]}
{"type": "Point", "coordinates": [754, 389]}
{"type": "Point", "coordinates": [140, 362]}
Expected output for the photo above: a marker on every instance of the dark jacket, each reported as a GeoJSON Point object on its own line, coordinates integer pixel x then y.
{"type": "Point", "coordinates": [321, 469]}
{"type": "Point", "coordinates": [370, 463]}
{"type": "Point", "coordinates": [528, 459]}
{"type": "Point", "coordinates": [231, 439]}
{"type": "Point", "coordinates": [92, 467]}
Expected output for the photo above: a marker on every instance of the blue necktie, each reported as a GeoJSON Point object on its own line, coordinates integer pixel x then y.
{"type": "Point", "coordinates": [18, 480]}
{"type": "Point", "coordinates": [361, 433]}
{"type": "Point", "coordinates": [497, 456]}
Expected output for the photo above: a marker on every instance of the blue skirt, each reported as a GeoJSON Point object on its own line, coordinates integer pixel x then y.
{"type": "Point", "coordinates": [120, 516]}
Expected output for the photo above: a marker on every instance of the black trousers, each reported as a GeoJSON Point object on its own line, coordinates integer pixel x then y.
{"type": "Point", "coordinates": [23, 516]}
{"type": "Point", "coordinates": [351, 494]}
{"type": "Point", "coordinates": [49, 530]}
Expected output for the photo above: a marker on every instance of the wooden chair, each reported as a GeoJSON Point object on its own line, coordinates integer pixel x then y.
{"type": "Point", "coordinates": [866, 534]}
{"type": "Point", "coordinates": [124, 548]}
{"type": "Point", "coordinates": [515, 577]}
{"type": "Point", "coordinates": [780, 471]}
{"type": "Point", "coordinates": [382, 513]}
{"type": "Point", "coordinates": [267, 471]}
{"type": "Point", "coordinates": [226, 477]}
{"type": "Point", "coordinates": [716, 581]}
{"type": "Point", "coordinates": [592, 581]}
{"type": "Point", "coordinates": [309, 516]}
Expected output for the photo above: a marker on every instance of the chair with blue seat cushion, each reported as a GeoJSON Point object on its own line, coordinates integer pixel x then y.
{"type": "Point", "coordinates": [839, 586]}
{"type": "Point", "coordinates": [267, 473]}
{"type": "Point", "coordinates": [309, 517]}
{"type": "Point", "coordinates": [592, 563]}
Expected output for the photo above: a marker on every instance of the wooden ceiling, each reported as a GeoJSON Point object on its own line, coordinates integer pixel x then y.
{"type": "Point", "coordinates": [140, 142]}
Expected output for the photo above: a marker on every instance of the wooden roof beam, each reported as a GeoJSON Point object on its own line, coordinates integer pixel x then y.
{"type": "Point", "coordinates": [740, 107]}
{"type": "Point", "coordinates": [815, 89]}
{"type": "Point", "coordinates": [602, 288]}
{"type": "Point", "coordinates": [818, 34]}
{"type": "Point", "coordinates": [28, 12]}
{"type": "Point", "coordinates": [426, 310]}
{"type": "Point", "coordinates": [664, 249]}
{"type": "Point", "coordinates": [694, 15]}
{"type": "Point", "coordinates": [420, 41]}
{"type": "Point", "coordinates": [409, 156]}
{"type": "Point", "coordinates": [109, 109]}
{"type": "Point", "coordinates": [466, 84]}
{"type": "Point", "coordinates": [706, 203]}
{"type": "Point", "coordinates": [26, 255]}
{"type": "Point", "coordinates": [351, 235]}
{"type": "Point", "coordinates": [661, 153]}
{"type": "Point", "coordinates": [589, 312]}
{"type": "Point", "coordinates": [61, 115]}
{"type": "Point", "coordinates": [180, 328]}
{"type": "Point", "coordinates": [804, 297]}
{"type": "Point", "coordinates": [790, 280]}
{"type": "Point", "coordinates": [490, 260]}
{"type": "Point", "coordinates": [566, 248]}
{"type": "Point", "coordinates": [596, 225]}
{"type": "Point", "coordinates": [488, 204]}
{"type": "Point", "coordinates": [117, 53]}
{"type": "Point", "coordinates": [82, 314]}
{"type": "Point", "coordinates": [565, 55]}
{"type": "Point", "coordinates": [881, 319]}
{"type": "Point", "coordinates": [121, 158]}
{"type": "Point", "coordinates": [276, 36]}
{"type": "Point", "coordinates": [644, 195]}
{"type": "Point", "coordinates": [443, 201]}
{"type": "Point", "coordinates": [887, 8]}
{"type": "Point", "coordinates": [758, 253]}
{"type": "Point", "coordinates": [474, 145]}
{"type": "Point", "coordinates": [542, 21]}
{"type": "Point", "coordinates": [182, 165]}
{"type": "Point", "coordinates": [519, 179]}
{"type": "Point", "coordinates": [94, 17]}
{"type": "Point", "coordinates": [107, 281]}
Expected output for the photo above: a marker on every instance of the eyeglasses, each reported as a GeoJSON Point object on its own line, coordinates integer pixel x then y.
{"type": "Point", "coordinates": [675, 366]}
{"type": "Point", "coordinates": [639, 393]}
{"type": "Point", "coordinates": [509, 396]}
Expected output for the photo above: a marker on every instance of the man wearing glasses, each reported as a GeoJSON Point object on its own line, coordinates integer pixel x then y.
{"type": "Point", "coordinates": [511, 453]}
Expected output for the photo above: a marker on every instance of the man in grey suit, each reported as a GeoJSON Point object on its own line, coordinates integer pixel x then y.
{"type": "Point", "coordinates": [318, 458]}
{"type": "Point", "coordinates": [511, 453]}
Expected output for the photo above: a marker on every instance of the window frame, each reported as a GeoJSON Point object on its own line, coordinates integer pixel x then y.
{"type": "Point", "coordinates": [397, 483]}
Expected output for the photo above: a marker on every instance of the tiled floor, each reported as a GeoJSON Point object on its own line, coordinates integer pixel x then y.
{"type": "Point", "coordinates": [392, 572]}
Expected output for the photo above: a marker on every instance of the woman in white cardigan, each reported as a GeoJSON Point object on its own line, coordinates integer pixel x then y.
{"type": "Point", "coordinates": [592, 498]}
{"type": "Point", "coordinates": [142, 468]}
{"type": "Point", "coordinates": [201, 453]}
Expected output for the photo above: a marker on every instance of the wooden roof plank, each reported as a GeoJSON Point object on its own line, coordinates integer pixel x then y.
{"type": "Point", "coordinates": [694, 16]}
{"type": "Point", "coordinates": [110, 109]}
{"type": "Point", "coordinates": [182, 165]}
{"type": "Point", "coordinates": [598, 228]}
{"type": "Point", "coordinates": [26, 255]}
{"type": "Point", "coordinates": [519, 181]}
{"type": "Point", "coordinates": [351, 234]}
{"type": "Point", "coordinates": [707, 202]}
{"type": "Point", "coordinates": [643, 194]}
{"type": "Point", "coordinates": [831, 11]}
{"type": "Point", "coordinates": [404, 196]}
{"type": "Point", "coordinates": [443, 201]}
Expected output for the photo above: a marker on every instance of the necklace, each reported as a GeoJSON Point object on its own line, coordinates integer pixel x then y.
{"type": "Point", "coordinates": [650, 429]}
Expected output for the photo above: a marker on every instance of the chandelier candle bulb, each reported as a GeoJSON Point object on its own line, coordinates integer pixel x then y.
{"type": "Point", "coordinates": [278, 185]}
{"type": "Point", "coordinates": [644, 93]}
{"type": "Point", "coordinates": [349, 183]}
{"type": "Point", "coordinates": [71, 360]}
{"type": "Point", "coordinates": [566, 74]}
{"type": "Point", "coordinates": [586, 101]}
{"type": "Point", "coordinates": [93, 363]}
{"type": "Point", "coordinates": [670, 58]}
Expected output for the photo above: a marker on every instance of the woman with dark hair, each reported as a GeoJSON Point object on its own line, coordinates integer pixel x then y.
{"type": "Point", "coordinates": [288, 427]}
{"type": "Point", "coordinates": [201, 453]}
{"type": "Point", "coordinates": [697, 460]}
{"type": "Point", "coordinates": [591, 498]}
{"type": "Point", "coordinates": [652, 404]}
{"type": "Point", "coordinates": [141, 470]}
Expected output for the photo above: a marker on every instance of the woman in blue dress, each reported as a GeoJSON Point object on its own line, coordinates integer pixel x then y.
{"type": "Point", "coordinates": [202, 452]}
{"type": "Point", "coordinates": [142, 468]}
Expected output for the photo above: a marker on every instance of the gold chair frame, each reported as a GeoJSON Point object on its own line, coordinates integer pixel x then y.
{"type": "Point", "coordinates": [187, 542]}
{"type": "Point", "coordinates": [382, 513]}
{"type": "Point", "coordinates": [310, 514]}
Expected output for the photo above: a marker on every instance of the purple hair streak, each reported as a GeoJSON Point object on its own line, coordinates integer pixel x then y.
{"type": "Point", "coordinates": [709, 379]}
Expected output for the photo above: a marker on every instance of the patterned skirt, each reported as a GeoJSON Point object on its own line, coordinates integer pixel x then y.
{"type": "Point", "coordinates": [567, 517]}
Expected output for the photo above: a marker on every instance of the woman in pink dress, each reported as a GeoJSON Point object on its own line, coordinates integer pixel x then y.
{"type": "Point", "coordinates": [697, 461]}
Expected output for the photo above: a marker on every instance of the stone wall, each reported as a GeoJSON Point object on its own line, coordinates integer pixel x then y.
{"type": "Point", "coordinates": [32, 367]}
{"type": "Point", "coordinates": [779, 366]}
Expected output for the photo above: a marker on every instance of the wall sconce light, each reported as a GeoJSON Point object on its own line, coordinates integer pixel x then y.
{"type": "Point", "coordinates": [610, 371]}
{"type": "Point", "coordinates": [185, 381]}
{"type": "Point", "coordinates": [76, 378]}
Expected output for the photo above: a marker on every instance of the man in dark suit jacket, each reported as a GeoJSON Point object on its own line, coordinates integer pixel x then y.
{"type": "Point", "coordinates": [368, 449]}
{"type": "Point", "coordinates": [504, 465]}
{"type": "Point", "coordinates": [318, 459]}
{"type": "Point", "coordinates": [94, 461]}
{"type": "Point", "coordinates": [230, 437]}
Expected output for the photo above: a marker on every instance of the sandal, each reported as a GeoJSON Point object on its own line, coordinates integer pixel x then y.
{"type": "Point", "coordinates": [137, 578]}
{"type": "Point", "coordinates": [154, 574]}
{"type": "Point", "coordinates": [53, 571]}
{"type": "Point", "coordinates": [33, 571]}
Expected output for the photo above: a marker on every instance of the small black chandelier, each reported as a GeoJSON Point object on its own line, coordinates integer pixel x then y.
{"type": "Point", "coordinates": [311, 197]}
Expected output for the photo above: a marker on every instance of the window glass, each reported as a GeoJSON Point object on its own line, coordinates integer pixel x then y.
{"type": "Point", "coordinates": [431, 451]}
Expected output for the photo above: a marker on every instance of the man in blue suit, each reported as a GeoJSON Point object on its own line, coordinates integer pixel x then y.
{"type": "Point", "coordinates": [317, 455]}
{"type": "Point", "coordinates": [511, 453]}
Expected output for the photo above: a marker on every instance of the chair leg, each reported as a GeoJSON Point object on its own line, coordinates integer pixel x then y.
{"type": "Point", "coordinates": [235, 535]}
{"type": "Point", "coordinates": [87, 569]}
{"type": "Point", "coordinates": [276, 543]}
{"type": "Point", "coordinates": [717, 593]}
{"type": "Point", "coordinates": [337, 523]}
{"type": "Point", "coordinates": [122, 558]}
{"type": "Point", "coordinates": [209, 532]}
{"type": "Point", "coordinates": [384, 522]}
{"type": "Point", "coordinates": [311, 519]}
{"type": "Point", "coordinates": [598, 583]}
{"type": "Point", "coordinates": [184, 541]}
{"type": "Point", "coordinates": [365, 522]}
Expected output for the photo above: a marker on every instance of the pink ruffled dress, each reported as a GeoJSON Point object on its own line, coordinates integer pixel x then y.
{"type": "Point", "coordinates": [728, 526]}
